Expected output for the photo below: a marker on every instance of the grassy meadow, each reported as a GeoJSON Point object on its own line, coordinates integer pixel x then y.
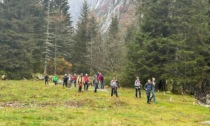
{"type": "Point", "coordinates": [31, 103]}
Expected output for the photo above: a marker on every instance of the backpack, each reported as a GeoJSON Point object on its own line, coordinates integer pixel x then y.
{"type": "Point", "coordinates": [102, 78]}
{"type": "Point", "coordinates": [65, 79]}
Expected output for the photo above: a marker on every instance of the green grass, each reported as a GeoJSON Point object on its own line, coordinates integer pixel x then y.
{"type": "Point", "coordinates": [31, 103]}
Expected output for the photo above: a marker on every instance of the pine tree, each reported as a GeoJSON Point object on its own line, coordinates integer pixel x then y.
{"type": "Point", "coordinates": [191, 64]}
{"type": "Point", "coordinates": [81, 39]}
{"type": "Point", "coordinates": [59, 31]}
{"type": "Point", "coordinates": [113, 47]}
{"type": "Point", "coordinates": [94, 46]}
{"type": "Point", "coordinates": [18, 36]}
{"type": "Point", "coordinates": [172, 44]}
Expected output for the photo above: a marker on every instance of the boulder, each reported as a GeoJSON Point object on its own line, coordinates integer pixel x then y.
{"type": "Point", "coordinates": [203, 99]}
{"type": "Point", "coordinates": [208, 99]}
{"type": "Point", "coordinates": [40, 77]}
{"type": "Point", "coordinates": [60, 82]}
{"type": "Point", "coordinates": [3, 77]}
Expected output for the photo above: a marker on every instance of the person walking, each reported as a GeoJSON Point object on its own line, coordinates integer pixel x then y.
{"type": "Point", "coordinates": [114, 87]}
{"type": "Point", "coordinates": [137, 85]}
{"type": "Point", "coordinates": [69, 81]}
{"type": "Point", "coordinates": [99, 79]}
{"type": "Point", "coordinates": [55, 79]}
{"type": "Point", "coordinates": [65, 79]}
{"type": "Point", "coordinates": [102, 80]}
{"type": "Point", "coordinates": [153, 91]}
{"type": "Point", "coordinates": [148, 88]}
{"type": "Point", "coordinates": [46, 79]}
{"type": "Point", "coordinates": [86, 80]}
{"type": "Point", "coordinates": [80, 82]}
{"type": "Point", "coordinates": [95, 83]}
{"type": "Point", "coordinates": [75, 80]}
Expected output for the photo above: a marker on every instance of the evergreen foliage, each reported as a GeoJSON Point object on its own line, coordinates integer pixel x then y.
{"type": "Point", "coordinates": [23, 35]}
{"type": "Point", "coordinates": [172, 45]}
{"type": "Point", "coordinates": [86, 47]}
{"type": "Point", "coordinates": [19, 33]}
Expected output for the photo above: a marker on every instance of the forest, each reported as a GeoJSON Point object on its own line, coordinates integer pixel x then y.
{"type": "Point", "coordinates": [168, 40]}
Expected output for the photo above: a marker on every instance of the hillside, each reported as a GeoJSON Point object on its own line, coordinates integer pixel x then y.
{"type": "Point", "coordinates": [32, 103]}
{"type": "Point", "coordinates": [106, 9]}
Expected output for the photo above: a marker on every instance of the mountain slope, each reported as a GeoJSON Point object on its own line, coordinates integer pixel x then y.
{"type": "Point", "coordinates": [106, 9]}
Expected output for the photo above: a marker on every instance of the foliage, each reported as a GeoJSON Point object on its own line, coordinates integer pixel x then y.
{"type": "Point", "coordinates": [172, 44]}
{"type": "Point", "coordinates": [18, 32]}
{"type": "Point", "coordinates": [81, 38]}
{"type": "Point", "coordinates": [63, 67]}
{"type": "Point", "coordinates": [59, 31]}
{"type": "Point", "coordinates": [113, 48]}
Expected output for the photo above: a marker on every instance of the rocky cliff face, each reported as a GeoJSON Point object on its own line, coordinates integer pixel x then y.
{"type": "Point", "coordinates": [106, 9]}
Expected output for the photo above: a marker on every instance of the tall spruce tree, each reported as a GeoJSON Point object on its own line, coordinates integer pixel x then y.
{"type": "Point", "coordinates": [59, 31]}
{"type": "Point", "coordinates": [192, 55]}
{"type": "Point", "coordinates": [173, 45]}
{"type": "Point", "coordinates": [113, 47]}
{"type": "Point", "coordinates": [19, 23]}
{"type": "Point", "coordinates": [81, 39]}
{"type": "Point", "coordinates": [94, 46]}
{"type": "Point", "coordinates": [61, 27]}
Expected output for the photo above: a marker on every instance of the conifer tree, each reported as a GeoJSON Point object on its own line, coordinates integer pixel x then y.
{"type": "Point", "coordinates": [59, 31]}
{"type": "Point", "coordinates": [19, 25]}
{"type": "Point", "coordinates": [81, 39]}
{"type": "Point", "coordinates": [113, 46]}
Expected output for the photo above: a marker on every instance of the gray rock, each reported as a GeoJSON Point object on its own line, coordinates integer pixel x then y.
{"type": "Point", "coordinates": [60, 82]}
{"type": "Point", "coordinates": [203, 100]}
{"type": "Point", "coordinates": [205, 122]}
{"type": "Point", "coordinates": [3, 77]}
{"type": "Point", "coordinates": [208, 99]}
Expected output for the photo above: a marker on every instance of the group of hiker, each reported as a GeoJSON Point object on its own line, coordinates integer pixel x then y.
{"type": "Point", "coordinates": [98, 79]}
{"type": "Point", "coordinates": [79, 80]}
{"type": "Point", "coordinates": [149, 87]}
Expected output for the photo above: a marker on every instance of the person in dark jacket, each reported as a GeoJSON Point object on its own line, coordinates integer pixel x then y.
{"type": "Point", "coordinates": [46, 79]}
{"type": "Point", "coordinates": [65, 80]}
{"type": "Point", "coordinates": [95, 83]}
{"type": "Point", "coordinates": [148, 88]}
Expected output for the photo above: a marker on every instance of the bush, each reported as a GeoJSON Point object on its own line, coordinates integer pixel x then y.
{"type": "Point", "coordinates": [63, 67]}
{"type": "Point", "coordinates": [18, 75]}
{"type": "Point", "coordinates": [2, 72]}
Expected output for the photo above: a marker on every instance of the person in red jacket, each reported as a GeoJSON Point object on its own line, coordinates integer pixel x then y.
{"type": "Point", "coordinates": [75, 80]}
{"type": "Point", "coordinates": [99, 79]}
{"type": "Point", "coordinates": [86, 79]}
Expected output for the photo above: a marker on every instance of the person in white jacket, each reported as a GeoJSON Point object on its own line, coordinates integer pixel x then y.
{"type": "Point", "coordinates": [113, 85]}
{"type": "Point", "coordinates": [137, 85]}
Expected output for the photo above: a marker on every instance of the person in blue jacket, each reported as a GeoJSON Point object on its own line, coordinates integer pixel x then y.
{"type": "Point", "coordinates": [148, 88]}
